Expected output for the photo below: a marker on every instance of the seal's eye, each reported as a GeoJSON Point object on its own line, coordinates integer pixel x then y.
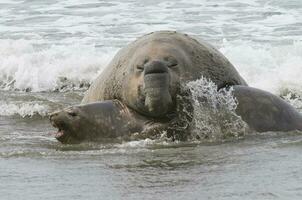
{"type": "Point", "coordinates": [140, 67]}
{"type": "Point", "coordinates": [172, 62]}
{"type": "Point", "coordinates": [146, 60]}
{"type": "Point", "coordinates": [72, 113]}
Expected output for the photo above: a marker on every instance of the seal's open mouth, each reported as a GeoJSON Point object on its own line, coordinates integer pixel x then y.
{"type": "Point", "coordinates": [60, 135]}
{"type": "Point", "coordinates": [63, 135]}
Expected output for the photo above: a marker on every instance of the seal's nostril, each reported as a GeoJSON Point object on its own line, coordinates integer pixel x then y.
{"type": "Point", "coordinates": [171, 61]}
{"type": "Point", "coordinates": [173, 64]}
{"type": "Point", "coordinates": [155, 67]}
{"type": "Point", "coordinates": [140, 67]}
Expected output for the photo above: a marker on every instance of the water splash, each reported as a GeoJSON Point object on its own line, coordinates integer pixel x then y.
{"type": "Point", "coordinates": [214, 116]}
{"type": "Point", "coordinates": [293, 99]}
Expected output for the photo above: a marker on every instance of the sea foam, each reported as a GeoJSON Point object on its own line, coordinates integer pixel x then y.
{"type": "Point", "coordinates": [27, 109]}
{"type": "Point", "coordinates": [276, 69]}
{"type": "Point", "coordinates": [24, 65]}
{"type": "Point", "coordinates": [27, 66]}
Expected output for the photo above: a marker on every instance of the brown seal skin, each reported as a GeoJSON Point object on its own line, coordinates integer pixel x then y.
{"type": "Point", "coordinates": [139, 93]}
{"type": "Point", "coordinates": [112, 121]}
{"type": "Point", "coordinates": [146, 74]}
{"type": "Point", "coordinates": [105, 121]}
{"type": "Point", "coordinates": [145, 78]}
{"type": "Point", "coordinates": [263, 111]}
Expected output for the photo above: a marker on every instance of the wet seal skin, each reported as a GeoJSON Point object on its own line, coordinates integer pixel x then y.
{"type": "Point", "coordinates": [138, 93]}
{"type": "Point", "coordinates": [263, 111]}
{"type": "Point", "coordinates": [147, 73]}
{"type": "Point", "coordinates": [112, 121]}
{"type": "Point", "coordinates": [146, 76]}
{"type": "Point", "coordinates": [99, 121]}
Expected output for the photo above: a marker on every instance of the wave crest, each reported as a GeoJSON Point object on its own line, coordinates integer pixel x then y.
{"type": "Point", "coordinates": [28, 66]}
{"type": "Point", "coordinates": [23, 109]}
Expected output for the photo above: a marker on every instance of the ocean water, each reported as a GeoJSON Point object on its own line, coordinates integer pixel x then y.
{"type": "Point", "coordinates": [51, 50]}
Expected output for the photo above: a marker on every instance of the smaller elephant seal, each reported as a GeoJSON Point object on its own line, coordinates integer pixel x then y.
{"type": "Point", "coordinates": [102, 121]}
{"type": "Point", "coordinates": [263, 111]}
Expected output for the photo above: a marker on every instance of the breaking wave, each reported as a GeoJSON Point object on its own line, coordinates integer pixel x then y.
{"type": "Point", "coordinates": [28, 66]}
{"type": "Point", "coordinates": [275, 68]}
{"type": "Point", "coordinates": [27, 109]}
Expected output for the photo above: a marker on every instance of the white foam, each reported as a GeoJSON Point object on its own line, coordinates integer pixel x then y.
{"type": "Point", "coordinates": [23, 109]}
{"type": "Point", "coordinates": [137, 144]}
{"type": "Point", "coordinates": [27, 66]}
{"type": "Point", "coordinates": [214, 116]}
{"type": "Point", "coordinates": [24, 65]}
{"type": "Point", "coordinates": [294, 100]}
{"type": "Point", "coordinates": [272, 68]}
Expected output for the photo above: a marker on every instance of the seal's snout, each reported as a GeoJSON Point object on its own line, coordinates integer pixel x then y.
{"type": "Point", "coordinates": [62, 121]}
{"type": "Point", "coordinates": [156, 67]}
{"type": "Point", "coordinates": [57, 119]}
{"type": "Point", "coordinates": [156, 87]}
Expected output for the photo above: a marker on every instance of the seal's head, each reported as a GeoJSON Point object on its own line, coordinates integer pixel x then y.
{"type": "Point", "coordinates": [77, 123]}
{"type": "Point", "coordinates": [100, 121]}
{"type": "Point", "coordinates": [68, 121]}
{"type": "Point", "coordinates": [153, 78]}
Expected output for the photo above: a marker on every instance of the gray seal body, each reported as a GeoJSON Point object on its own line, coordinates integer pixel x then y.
{"type": "Point", "coordinates": [136, 94]}
{"type": "Point", "coordinates": [263, 111]}
{"type": "Point", "coordinates": [101, 122]}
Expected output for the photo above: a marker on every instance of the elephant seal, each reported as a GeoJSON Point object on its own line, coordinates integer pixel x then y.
{"type": "Point", "coordinates": [111, 120]}
{"type": "Point", "coordinates": [139, 93]}
{"type": "Point", "coordinates": [102, 121]}
{"type": "Point", "coordinates": [146, 74]}
{"type": "Point", "coordinates": [263, 111]}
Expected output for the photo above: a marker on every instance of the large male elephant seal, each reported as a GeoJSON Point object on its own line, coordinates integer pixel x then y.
{"type": "Point", "coordinates": [146, 74]}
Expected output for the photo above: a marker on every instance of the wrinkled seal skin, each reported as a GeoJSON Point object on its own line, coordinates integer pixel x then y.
{"type": "Point", "coordinates": [146, 74]}
{"type": "Point", "coordinates": [145, 78]}
{"type": "Point", "coordinates": [263, 111]}
{"type": "Point", "coordinates": [101, 121]}
{"type": "Point", "coordinates": [139, 93]}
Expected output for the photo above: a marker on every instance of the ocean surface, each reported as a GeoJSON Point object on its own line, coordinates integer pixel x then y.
{"type": "Point", "coordinates": [51, 50]}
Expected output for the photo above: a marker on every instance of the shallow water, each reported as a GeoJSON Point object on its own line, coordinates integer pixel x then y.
{"type": "Point", "coordinates": [50, 51]}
